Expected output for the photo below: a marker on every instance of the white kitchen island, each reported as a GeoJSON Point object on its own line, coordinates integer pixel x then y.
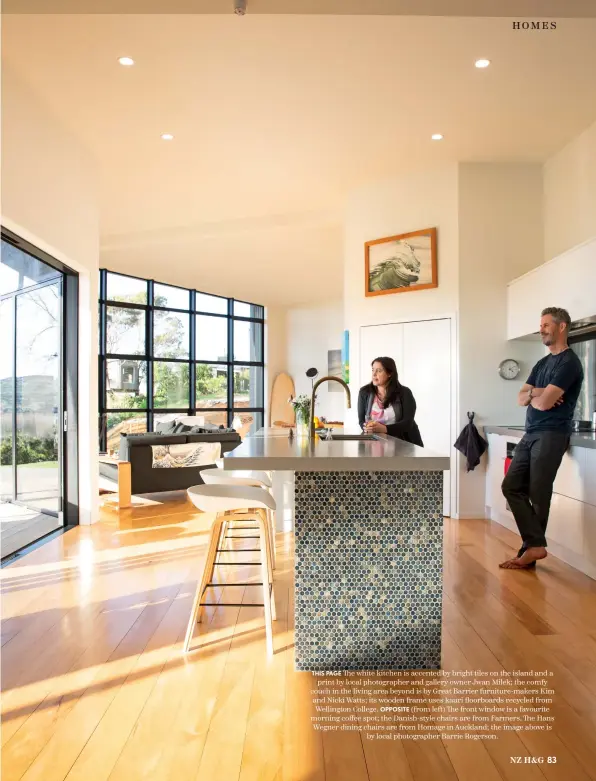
{"type": "Point", "coordinates": [368, 548]}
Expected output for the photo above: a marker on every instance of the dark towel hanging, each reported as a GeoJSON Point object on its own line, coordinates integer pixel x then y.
{"type": "Point", "coordinates": [471, 444]}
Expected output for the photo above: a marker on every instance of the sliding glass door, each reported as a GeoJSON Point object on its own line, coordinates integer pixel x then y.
{"type": "Point", "coordinates": [6, 399]}
{"type": "Point", "coordinates": [32, 408]}
{"type": "Point", "coordinates": [38, 394]}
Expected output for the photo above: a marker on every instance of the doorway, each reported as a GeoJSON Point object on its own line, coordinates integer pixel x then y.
{"type": "Point", "coordinates": [33, 396]}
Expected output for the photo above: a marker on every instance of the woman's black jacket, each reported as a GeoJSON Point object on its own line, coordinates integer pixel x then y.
{"type": "Point", "coordinates": [405, 409]}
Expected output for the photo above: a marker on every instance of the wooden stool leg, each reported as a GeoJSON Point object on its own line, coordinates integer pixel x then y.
{"type": "Point", "coordinates": [271, 515]}
{"type": "Point", "coordinates": [221, 544]}
{"type": "Point", "coordinates": [195, 614]}
{"type": "Point", "coordinates": [263, 515]}
{"type": "Point", "coordinates": [263, 518]}
{"type": "Point", "coordinates": [211, 557]}
{"type": "Point", "coordinates": [267, 590]}
{"type": "Point", "coordinates": [124, 484]}
{"type": "Point", "coordinates": [221, 540]}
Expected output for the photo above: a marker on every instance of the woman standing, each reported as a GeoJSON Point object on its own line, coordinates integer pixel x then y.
{"type": "Point", "coordinates": [387, 407]}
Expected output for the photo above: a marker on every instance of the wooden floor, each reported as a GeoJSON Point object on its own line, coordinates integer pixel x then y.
{"type": "Point", "coordinates": [95, 685]}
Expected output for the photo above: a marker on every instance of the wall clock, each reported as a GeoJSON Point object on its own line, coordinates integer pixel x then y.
{"type": "Point", "coordinates": [509, 369]}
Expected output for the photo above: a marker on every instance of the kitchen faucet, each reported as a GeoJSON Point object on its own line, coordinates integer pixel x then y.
{"type": "Point", "coordinates": [312, 399]}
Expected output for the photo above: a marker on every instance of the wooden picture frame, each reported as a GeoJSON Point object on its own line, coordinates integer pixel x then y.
{"type": "Point", "coordinates": [395, 267]}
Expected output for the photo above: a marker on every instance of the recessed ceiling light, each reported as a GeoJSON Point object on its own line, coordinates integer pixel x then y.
{"type": "Point", "coordinates": [437, 137]}
{"type": "Point", "coordinates": [166, 136]}
{"type": "Point", "coordinates": [482, 63]}
{"type": "Point", "coordinates": [128, 61]}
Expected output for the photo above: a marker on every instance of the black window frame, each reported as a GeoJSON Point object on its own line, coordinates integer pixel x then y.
{"type": "Point", "coordinates": [149, 358]}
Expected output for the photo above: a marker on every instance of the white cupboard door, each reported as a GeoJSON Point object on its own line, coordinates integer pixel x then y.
{"type": "Point", "coordinates": [422, 353]}
{"type": "Point", "coordinates": [377, 341]}
{"type": "Point", "coordinates": [427, 373]}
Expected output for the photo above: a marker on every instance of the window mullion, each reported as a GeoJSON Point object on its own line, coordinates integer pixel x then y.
{"type": "Point", "coordinates": [192, 355]}
{"type": "Point", "coordinates": [149, 352]}
{"type": "Point", "coordinates": [230, 361]}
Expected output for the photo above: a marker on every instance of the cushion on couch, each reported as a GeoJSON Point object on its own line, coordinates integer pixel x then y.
{"type": "Point", "coordinates": [167, 427]}
{"type": "Point", "coordinates": [188, 424]}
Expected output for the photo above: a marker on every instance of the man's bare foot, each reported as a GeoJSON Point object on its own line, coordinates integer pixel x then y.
{"type": "Point", "coordinates": [529, 557]}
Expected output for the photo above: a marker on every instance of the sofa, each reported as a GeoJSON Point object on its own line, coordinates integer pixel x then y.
{"type": "Point", "coordinates": [136, 448]}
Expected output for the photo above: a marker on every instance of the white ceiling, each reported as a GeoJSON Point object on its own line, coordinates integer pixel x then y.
{"type": "Point", "coordinates": [276, 118]}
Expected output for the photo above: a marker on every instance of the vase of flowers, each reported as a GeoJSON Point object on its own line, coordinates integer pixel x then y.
{"type": "Point", "coordinates": [301, 406]}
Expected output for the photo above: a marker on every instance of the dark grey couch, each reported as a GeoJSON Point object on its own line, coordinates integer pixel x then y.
{"type": "Point", "coordinates": [136, 448]}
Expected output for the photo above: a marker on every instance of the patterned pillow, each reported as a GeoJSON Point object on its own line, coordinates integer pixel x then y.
{"type": "Point", "coordinates": [168, 427]}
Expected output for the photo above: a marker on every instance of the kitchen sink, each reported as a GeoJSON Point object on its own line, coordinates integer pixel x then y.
{"type": "Point", "coordinates": [356, 437]}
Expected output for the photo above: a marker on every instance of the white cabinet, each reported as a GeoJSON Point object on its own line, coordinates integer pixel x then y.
{"type": "Point", "coordinates": [571, 477]}
{"type": "Point", "coordinates": [422, 353]}
{"type": "Point", "coordinates": [566, 522]}
{"type": "Point", "coordinates": [569, 280]}
{"type": "Point", "coordinates": [377, 340]}
{"type": "Point", "coordinates": [576, 477]}
{"type": "Point", "coordinates": [590, 475]}
{"type": "Point", "coordinates": [497, 453]}
{"type": "Point", "coordinates": [427, 372]}
{"type": "Point", "coordinates": [495, 471]}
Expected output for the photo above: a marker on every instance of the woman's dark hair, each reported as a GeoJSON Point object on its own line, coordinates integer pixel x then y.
{"type": "Point", "coordinates": [393, 386]}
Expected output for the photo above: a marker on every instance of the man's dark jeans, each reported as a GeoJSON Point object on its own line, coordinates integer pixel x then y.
{"type": "Point", "coordinates": [528, 484]}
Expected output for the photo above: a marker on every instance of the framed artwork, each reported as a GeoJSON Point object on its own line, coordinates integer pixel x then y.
{"type": "Point", "coordinates": [401, 264]}
{"type": "Point", "coordinates": [334, 369]}
{"type": "Point", "coordinates": [345, 357]}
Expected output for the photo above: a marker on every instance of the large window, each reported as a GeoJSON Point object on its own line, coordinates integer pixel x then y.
{"type": "Point", "coordinates": [168, 352]}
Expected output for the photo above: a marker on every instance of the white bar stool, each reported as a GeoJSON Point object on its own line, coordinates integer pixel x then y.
{"type": "Point", "coordinates": [237, 477]}
{"type": "Point", "coordinates": [245, 477]}
{"type": "Point", "coordinates": [234, 502]}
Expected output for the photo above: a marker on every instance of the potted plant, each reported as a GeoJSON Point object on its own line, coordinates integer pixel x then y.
{"type": "Point", "coordinates": [302, 409]}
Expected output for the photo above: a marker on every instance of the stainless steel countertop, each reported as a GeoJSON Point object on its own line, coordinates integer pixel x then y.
{"type": "Point", "coordinates": [270, 449]}
{"type": "Point", "coordinates": [580, 439]}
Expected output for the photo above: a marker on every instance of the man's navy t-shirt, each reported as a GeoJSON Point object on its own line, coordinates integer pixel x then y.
{"type": "Point", "coordinates": [565, 371]}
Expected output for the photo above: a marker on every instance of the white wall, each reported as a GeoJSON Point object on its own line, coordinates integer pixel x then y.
{"type": "Point", "coordinates": [413, 202]}
{"type": "Point", "coordinates": [570, 195]}
{"type": "Point", "coordinates": [489, 221]}
{"type": "Point", "coordinates": [425, 200]}
{"type": "Point", "coordinates": [312, 331]}
{"type": "Point", "coordinates": [500, 237]}
{"type": "Point", "coordinates": [276, 350]}
{"type": "Point", "coordinates": [48, 198]}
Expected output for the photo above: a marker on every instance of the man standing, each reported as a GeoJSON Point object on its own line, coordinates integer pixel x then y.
{"type": "Point", "coordinates": [550, 394]}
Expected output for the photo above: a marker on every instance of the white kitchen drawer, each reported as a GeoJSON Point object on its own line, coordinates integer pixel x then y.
{"type": "Point", "coordinates": [495, 472]}
{"type": "Point", "coordinates": [590, 475]}
{"type": "Point", "coordinates": [589, 551]}
{"type": "Point", "coordinates": [570, 480]}
{"type": "Point", "coordinates": [567, 522]}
